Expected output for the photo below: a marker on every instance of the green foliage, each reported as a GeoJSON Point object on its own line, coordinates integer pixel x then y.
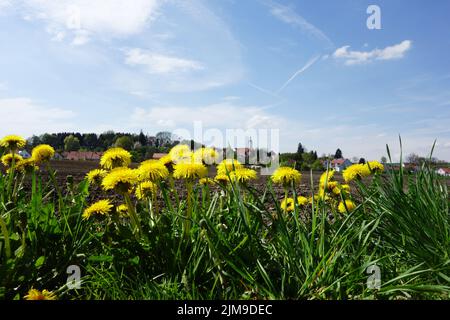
{"type": "Point", "coordinates": [71, 143]}
{"type": "Point", "coordinates": [237, 246]}
{"type": "Point", "coordinates": [124, 142]}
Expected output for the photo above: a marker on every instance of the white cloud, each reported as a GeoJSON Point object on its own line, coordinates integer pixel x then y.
{"type": "Point", "coordinates": [23, 116]}
{"type": "Point", "coordinates": [156, 63]}
{"type": "Point", "coordinates": [289, 16]}
{"type": "Point", "coordinates": [359, 57]}
{"type": "Point", "coordinates": [217, 122]}
{"type": "Point", "coordinates": [220, 115]}
{"type": "Point", "coordinates": [101, 17]}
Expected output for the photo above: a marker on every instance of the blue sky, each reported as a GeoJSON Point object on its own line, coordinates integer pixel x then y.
{"type": "Point", "coordinates": [311, 69]}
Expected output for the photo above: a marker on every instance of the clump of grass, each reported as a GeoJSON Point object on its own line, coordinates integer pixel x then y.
{"type": "Point", "coordinates": [235, 248]}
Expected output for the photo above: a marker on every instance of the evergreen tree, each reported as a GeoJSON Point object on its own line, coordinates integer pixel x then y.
{"type": "Point", "coordinates": [142, 139]}
{"type": "Point", "coordinates": [300, 149]}
{"type": "Point", "coordinates": [338, 154]}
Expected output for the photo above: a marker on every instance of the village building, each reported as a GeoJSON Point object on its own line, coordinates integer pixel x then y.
{"type": "Point", "coordinates": [158, 156]}
{"type": "Point", "coordinates": [443, 172]}
{"type": "Point", "coordinates": [82, 155]}
{"type": "Point", "coordinates": [338, 165]}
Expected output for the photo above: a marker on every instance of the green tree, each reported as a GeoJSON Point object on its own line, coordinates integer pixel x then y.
{"type": "Point", "coordinates": [142, 139]}
{"type": "Point", "coordinates": [317, 165]}
{"type": "Point", "coordinates": [90, 141]}
{"type": "Point", "coordinates": [300, 149]}
{"type": "Point", "coordinates": [71, 143]}
{"type": "Point", "coordinates": [124, 142]}
{"type": "Point", "coordinates": [338, 154]}
{"type": "Point", "coordinates": [34, 141]}
{"type": "Point", "coordinates": [49, 139]}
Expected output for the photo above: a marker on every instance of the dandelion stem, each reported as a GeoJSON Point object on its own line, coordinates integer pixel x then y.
{"type": "Point", "coordinates": [187, 221]}
{"type": "Point", "coordinates": [132, 212]}
{"type": "Point", "coordinates": [6, 237]}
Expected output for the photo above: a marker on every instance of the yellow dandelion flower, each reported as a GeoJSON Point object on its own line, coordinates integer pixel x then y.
{"type": "Point", "coordinates": [222, 178]}
{"type": "Point", "coordinates": [42, 153]}
{"type": "Point", "coordinates": [150, 161]}
{"type": "Point", "coordinates": [228, 165]}
{"type": "Point", "coordinates": [356, 171]}
{"type": "Point", "coordinates": [302, 201]}
{"type": "Point", "coordinates": [166, 160]}
{"type": "Point", "coordinates": [122, 210]}
{"type": "Point", "coordinates": [180, 153]}
{"type": "Point", "coordinates": [121, 179]}
{"type": "Point", "coordinates": [344, 188]}
{"type": "Point", "coordinates": [314, 199]}
{"type": "Point", "coordinates": [337, 190]}
{"type": "Point", "coordinates": [326, 177]}
{"type": "Point", "coordinates": [26, 165]}
{"type": "Point", "coordinates": [190, 171]}
{"type": "Point", "coordinates": [145, 189]}
{"type": "Point", "coordinates": [287, 205]}
{"type": "Point", "coordinates": [375, 166]}
{"type": "Point", "coordinates": [206, 181]}
{"type": "Point", "coordinates": [153, 171]}
{"type": "Point", "coordinates": [332, 184]}
{"type": "Point", "coordinates": [348, 206]}
{"type": "Point", "coordinates": [34, 294]}
{"type": "Point", "coordinates": [208, 156]}
{"type": "Point", "coordinates": [243, 175]}
{"type": "Point", "coordinates": [101, 207]}
{"type": "Point", "coordinates": [13, 142]}
{"type": "Point", "coordinates": [286, 176]}
{"type": "Point", "coordinates": [7, 159]}
{"type": "Point", "coordinates": [115, 158]}
{"type": "Point", "coordinates": [96, 175]}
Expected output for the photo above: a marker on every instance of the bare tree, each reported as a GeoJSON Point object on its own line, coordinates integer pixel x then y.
{"type": "Point", "coordinates": [413, 158]}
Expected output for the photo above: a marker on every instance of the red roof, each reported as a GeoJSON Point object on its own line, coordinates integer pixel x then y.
{"type": "Point", "coordinates": [242, 150]}
{"type": "Point", "coordinates": [337, 161]}
{"type": "Point", "coordinates": [82, 155]}
{"type": "Point", "coordinates": [159, 155]}
{"type": "Point", "coordinates": [446, 170]}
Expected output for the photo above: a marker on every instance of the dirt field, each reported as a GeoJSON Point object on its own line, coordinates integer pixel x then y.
{"type": "Point", "coordinates": [78, 170]}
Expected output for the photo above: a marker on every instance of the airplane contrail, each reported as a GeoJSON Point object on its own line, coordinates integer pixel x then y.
{"type": "Point", "coordinates": [303, 69]}
{"type": "Point", "coordinates": [270, 93]}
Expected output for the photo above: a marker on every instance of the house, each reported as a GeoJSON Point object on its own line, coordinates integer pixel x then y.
{"type": "Point", "coordinates": [82, 155]}
{"type": "Point", "coordinates": [443, 172]}
{"type": "Point", "coordinates": [158, 156]}
{"type": "Point", "coordinates": [338, 165]}
{"type": "Point", "coordinates": [58, 156]}
{"type": "Point", "coordinates": [24, 154]}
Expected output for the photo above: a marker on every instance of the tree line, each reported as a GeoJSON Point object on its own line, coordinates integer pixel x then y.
{"type": "Point", "coordinates": [141, 146]}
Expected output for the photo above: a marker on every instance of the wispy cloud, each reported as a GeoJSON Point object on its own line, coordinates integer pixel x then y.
{"type": "Point", "coordinates": [298, 72]}
{"type": "Point", "coordinates": [155, 63]}
{"type": "Point", "coordinates": [289, 16]}
{"type": "Point", "coordinates": [359, 57]}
